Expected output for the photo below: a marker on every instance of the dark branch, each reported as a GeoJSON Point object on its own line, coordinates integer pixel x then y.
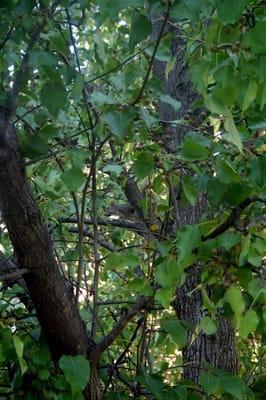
{"type": "Point", "coordinates": [2, 44]}
{"type": "Point", "coordinates": [153, 55]}
{"type": "Point", "coordinates": [13, 275]}
{"type": "Point", "coordinates": [90, 234]}
{"type": "Point", "coordinates": [143, 303]}
{"type": "Point", "coordinates": [232, 219]}
{"type": "Point", "coordinates": [119, 223]}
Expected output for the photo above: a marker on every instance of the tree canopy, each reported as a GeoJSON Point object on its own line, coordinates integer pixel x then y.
{"type": "Point", "coordinates": [132, 198]}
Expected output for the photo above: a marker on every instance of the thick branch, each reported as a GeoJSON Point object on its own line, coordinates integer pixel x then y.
{"type": "Point", "coordinates": [34, 251]}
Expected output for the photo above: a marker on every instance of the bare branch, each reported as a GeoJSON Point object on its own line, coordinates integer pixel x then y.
{"type": "Point", "coordinates": [138, 227]}
{"type": "Point", "coordinates": [153, 55]}
{"type": "Point", "coordinates": [143, 303]}
{"type": "Point", "coordinates": [14, 275]}
{"type": "Point", "coordinates": [90, 234]}
{"type": "Point", "coordinates": [2, 44]}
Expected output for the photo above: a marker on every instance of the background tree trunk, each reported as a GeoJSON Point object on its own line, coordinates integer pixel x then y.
{"type": "Point", "coordinates": [219, 349]}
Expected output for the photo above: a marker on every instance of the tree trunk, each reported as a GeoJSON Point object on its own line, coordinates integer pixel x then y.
{"type": "Point", "coordinates": [34, 251]}
{"type": "Point", "coordinates": [219, 349]}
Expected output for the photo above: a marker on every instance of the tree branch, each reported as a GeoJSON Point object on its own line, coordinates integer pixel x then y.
{"type": "Point", "coordinates": [144, 302]}
{"type": "Point", "coordinates": [233, 218]}
{"type": "Point", "coordinates": [138, 227]}
{"type": "Point", "coordinates": [14, 276]}
{"type": "Point", "coordinates": [153, 56]}
{"type": "Point", "coordinates": [2, 44]}
{"type": "Point", "coordinates": [90, 234]}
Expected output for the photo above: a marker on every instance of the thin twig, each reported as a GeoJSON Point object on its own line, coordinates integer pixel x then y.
{"type": "Point", "coordinates": [153, 55]}
{"type": "Point", "coordinates": [2, 44]}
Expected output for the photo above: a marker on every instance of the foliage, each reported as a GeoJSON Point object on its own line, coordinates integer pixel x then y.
{"type": "Point", "coordinates": [87, 120]}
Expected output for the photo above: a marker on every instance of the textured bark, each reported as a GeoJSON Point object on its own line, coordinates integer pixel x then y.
{"type": "Point", "coordinates": [34, 251]}
{"type": "Point", "coordinates": [219, 349]}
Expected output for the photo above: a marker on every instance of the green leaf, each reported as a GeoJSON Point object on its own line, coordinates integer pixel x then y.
{"type": "Point", "coordinates": [77, 88]}
{"type": "Point", "coordinates": [248, 323]}
{"type": "Point", "coordinates": [216, 191]}
{"type": "Point", "coordinates": [119, 122]}
{"type": "Point", "coordinates": [43, 374]}
{"type": "Point", "coordinates": [77, 373]}
{"type": "Point", "coordinates": [42, 357]}
{"type": "Point", "coordinates": [177, 331]}
{"type": "Point", "coordinates": [73, 178]}
{"type": "Point", "coordinates": [140, 29]}
{"type": "Point", "coordinates": [233, 134]}
{"type": "Point", "coordinates": [244, 251]}
{"type": "Point", "coordinates": [58, 42]}
{"type": "Point", "coordinates": [257, 170]}
{"type": "Point", "coordinates": [113, 260]}
{"type": "Point", "coordinates": [102, 98]}
{"type": "Point", "coordinates": [192, 150]}
{"type": "Point", "coordinates": [19, 347]}
{"type": "Point", "coordinates": [144, 164]}
{"type": "Point", "coordinates": [165, 98]}
{"type": "Point", "coordinates": [232, 384]}
{"type": "Point", "coordinates": [167, 272]}
{"type": "Point", "coordinates": [113, 7]}
{"type": "Point", "coordinates": [229, 239]}
{"type": "Point", "coordinates": [236, 301]}
{"type": "Point", "coordinates": [256, 38]}
{"type": "Point", "coordinates": [256, 252]}
{"type": "Point", "coordinates": [164, 296]}
{"type": "Point", "coordinates": [154, 383]}
{"type": "Point", "coordinates": [113, 168]}
{"type": "Point", "coordinates": [206, 301]}
{"type": "Point", "coordinates": [34, 146]}
{"type": "Point", "coordinates": [188, 238]}
{"type": "Point", "coordinates": [148, 118]}
{"type": "Point", "coordinates": [53, 96]}
{"type": "Point", "coordinates": [250, 95]}
{"type": "Point", "coordinates": [230, 10]}
{"type": "Point", "coordinates": [210, 383]}
{"type": "Point", "coordinates": [226, 172]}
{"type": "Point", "coordinates": [190, 191]}
{"type": "Point", "coordinates": [208, 325]}
{"type": "Point", "coordinates": [189, 9]}
{"type": "Point", "coordinates": [40, 58]}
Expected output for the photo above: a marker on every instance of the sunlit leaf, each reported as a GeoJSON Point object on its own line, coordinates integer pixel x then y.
{"type": "Point", "coordinates": [248, 323]}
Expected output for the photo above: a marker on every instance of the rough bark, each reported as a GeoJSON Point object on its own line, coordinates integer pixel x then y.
{"type": "Point", "coordinates": [219, 349]}
{"type": "Point", "coordinates": [34, 251]}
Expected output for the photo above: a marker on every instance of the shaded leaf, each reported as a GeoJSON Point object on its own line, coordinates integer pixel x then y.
{"type": "Point", "coordinates": [73, 178]}
{"type": "Point", "coordinates": [77, 372]}
{"type": "Point", "coordinates": [144, 164]}
{"type": "Point", "coordinates": [177, 331]}
{"type": "Point", "coordinates": [140, 29]}
{"type": "Point", "coordinates": [53, 96]}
